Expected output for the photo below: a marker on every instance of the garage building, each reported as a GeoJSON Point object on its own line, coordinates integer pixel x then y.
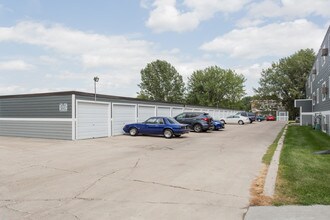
{"type": "Point", "coordinates": [76, 115]}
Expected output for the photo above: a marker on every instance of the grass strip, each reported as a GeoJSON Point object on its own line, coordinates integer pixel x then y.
{"type": "Point", "coordinates": [304, 177]}
{"type": "Point", "coordinates": [267, 158]}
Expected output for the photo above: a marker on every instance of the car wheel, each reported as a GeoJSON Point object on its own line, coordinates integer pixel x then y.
{"type": "Point", "coordinates": [177, 135]}
{"type": "Point", "coordinates": [197, 128]}
{"type": "Point", "coordinates": [168, 133]}
{"type": "Point", "coordinates": [240, 122]}
{"type": "Point", "coordinates": [133, 131]}
{"type": "Point", "coordinates": [259, 120]}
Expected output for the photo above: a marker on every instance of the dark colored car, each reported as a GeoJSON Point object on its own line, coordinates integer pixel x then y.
{"type": "Point", "coordinates": [197, 121]}
{"type": "Point", "coordinates": [168, 127]}
{"type": "Point", "coordinates": [250, 115]}
{"type": "Point", "coordinates": [217, 125]}
{"type": "Point", "coordinates": [260, 118]}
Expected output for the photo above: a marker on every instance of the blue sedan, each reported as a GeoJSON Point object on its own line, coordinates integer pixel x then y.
{"type": "Point", "coordinates": [166, 126]}
{"type": "Point", "coordinates": [217, 125]}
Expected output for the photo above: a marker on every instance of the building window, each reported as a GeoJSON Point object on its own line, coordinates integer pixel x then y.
{"type": "Point", "coordinates": [308, 82]}
{"type": "Point", "coordinates": [324, 54]}
{"type": "Point", "coordinates": [324, 91]}
{"type": "Point", "coordinates": [329, 87]}
{"type": "Point", "coordinates": [314, 72]}
{"type": "Point", "coordinates": [317, 96]}
{"type": "Point", "coordinates": [313, 98]}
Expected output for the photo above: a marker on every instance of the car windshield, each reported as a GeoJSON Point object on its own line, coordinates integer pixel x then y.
{"type": "Point", "coordinates": [172, 121]}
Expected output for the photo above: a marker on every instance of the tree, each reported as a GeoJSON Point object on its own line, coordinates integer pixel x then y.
{"type": "Point", "coordinates": [161, 82]}
{"type": "Point", "coordinates": [216, 87]}
{"type": "Point", "coordinates": [286, 79]}
{"type": "Point", "coordinates": [245, 103]}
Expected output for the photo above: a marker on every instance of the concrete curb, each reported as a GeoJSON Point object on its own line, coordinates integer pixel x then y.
{"type": "Point", "coordinates": [269, 187]}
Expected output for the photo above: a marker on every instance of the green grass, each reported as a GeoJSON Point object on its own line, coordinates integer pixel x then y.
{"type": "Point", "coordinates": [304, 177]}
{"type": "Point", "coordinates": [267, 158]}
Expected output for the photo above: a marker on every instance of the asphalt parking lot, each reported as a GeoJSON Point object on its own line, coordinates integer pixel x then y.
{"type": "Point", "coordinates": [197, 176]}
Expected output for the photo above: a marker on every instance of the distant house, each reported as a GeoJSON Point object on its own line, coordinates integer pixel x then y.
{"type": "Point", "coordinates": [315, 109]}
{"type": "Point", "coordinates": [266, 107]}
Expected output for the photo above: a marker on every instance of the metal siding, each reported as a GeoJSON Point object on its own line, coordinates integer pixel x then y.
{"type": "Point", "coordinates": [92, 120]}
{"type": "Point", "coordinates": [307, 119]}
{"type": "Point", "coordinates": [305, 104]}
{"type": "Point", "coordinates": [145, 112]}
{"type": "Point", "coordinates": [121, 115]}
{"type": "Point", "coordinates": [323, 75]}
{"type": "Point", "coordinates": [37, 129]}
{"type": "Point", "coordinates": [35, 107]}
{"type": "Point", "coordinates": [328, 124]}
{"type": "Point", "coordinates": [163, 111]}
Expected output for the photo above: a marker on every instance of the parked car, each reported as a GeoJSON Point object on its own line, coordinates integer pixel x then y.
{"type": "Point", "coordinates": [260, 118]}
{"type": "Point", "coordinates": [250, 115]}
{"type": "Point", "coordinates": [237, 119]}
{"type": "Point", "coordinates": [270, 118]}
{"type": "Point", "coordinates": [217, 125]}
{"type": "Point", "coordinates": [166, 126]}
{"type": "Point", "coordinates": [197, 121]}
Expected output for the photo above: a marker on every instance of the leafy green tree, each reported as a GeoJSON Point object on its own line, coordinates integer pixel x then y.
{"type": "Point", "coordinates": [245, 103]}
{"type": "Point", "coordinates": [286, 79]}
{"type": "Point", "coordinates": [216, 87]}
{"type": "Point", "coordinates": [160, 81]}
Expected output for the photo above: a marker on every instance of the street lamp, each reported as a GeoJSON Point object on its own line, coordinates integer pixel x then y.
{"type": "Point", "coordinates": [96, 79]}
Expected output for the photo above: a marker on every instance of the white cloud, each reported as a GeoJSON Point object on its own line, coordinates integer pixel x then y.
{"type": "Point", "coordinates": [277, 39]}
{"type": "Point", "coordinates": [15, 65]}
{"type": "Point", "coordinates": [252, 74]}
{"type": "Point", "coordinates": [289, 8]}
{"type": "Point", "coordinates": [93, 49]}
{"type": "Point", "coordinates": [12, 89]}
{"type": "Point", "coordinates": [260, 12]}
{"type": "Point", "coordinates": [168, 16]}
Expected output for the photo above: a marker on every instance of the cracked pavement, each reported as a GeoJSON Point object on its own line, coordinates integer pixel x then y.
{"type": "Point", "coordinates": [197, 176]}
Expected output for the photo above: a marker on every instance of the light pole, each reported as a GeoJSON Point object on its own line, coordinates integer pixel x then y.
{"type": "Point", "coordinates": [96, 79]}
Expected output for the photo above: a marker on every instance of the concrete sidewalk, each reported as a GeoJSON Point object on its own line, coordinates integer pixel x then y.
{"type": "Point", "coordinates": [315, 212]}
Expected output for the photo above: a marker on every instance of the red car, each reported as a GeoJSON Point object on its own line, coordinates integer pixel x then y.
{"type": "Point", "coordinates": [270, 118]}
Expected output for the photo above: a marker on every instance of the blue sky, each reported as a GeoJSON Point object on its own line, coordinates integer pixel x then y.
{"type": "Point", "coordinates": [61, 45]}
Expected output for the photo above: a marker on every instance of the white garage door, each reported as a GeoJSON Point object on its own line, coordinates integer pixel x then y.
{"type": "Point", "coordinates": [145, 112]}
{"type": "Point", "coordinates": [92, 120]}
{"type": "Point", "coordinates": [164, 111]}
{"type": "Point", "coordinates": [176, 111]}
{"type": "Point", "coordinates": [122, 114]}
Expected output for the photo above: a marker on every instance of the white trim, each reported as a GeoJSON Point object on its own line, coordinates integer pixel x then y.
{"type": "Point", "coordinates": [308, 113]}
{"type": "Point", "coordinates": [317, 95]}
{"type": "Point", "coordinates": [324, 84]}
{"type": "Point", "coordinates": [164, 106]}
{"type": "Point", "coordinates": [73, 110]}
{"type": "Point", "coordinates": [109, 119]}
{"type": "Point", "coordinates": [36, 119]}
{"type": "Point", "coordinates": [118, 103]}
{"type": "Point", "coordinates": [301, 99]}
{"type": "Point", "coordinates": [300, 114]}
{"type": "Point", "coordinates": [87, 101]}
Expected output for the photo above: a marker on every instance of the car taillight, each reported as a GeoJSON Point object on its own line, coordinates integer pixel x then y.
{"type": "Point", "coordinates": [205, 119]}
